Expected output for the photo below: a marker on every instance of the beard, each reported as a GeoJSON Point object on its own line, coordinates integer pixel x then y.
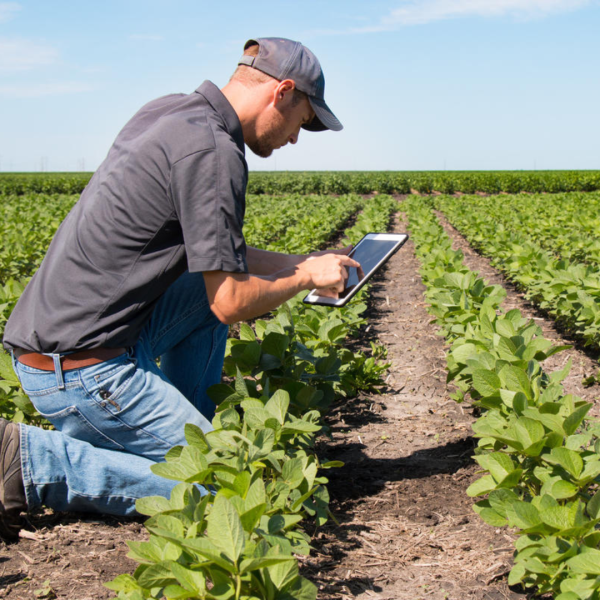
{"type": "Point", "coordinates": [273, 136]}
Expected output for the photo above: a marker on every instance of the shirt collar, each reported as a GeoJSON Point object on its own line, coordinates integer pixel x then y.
{"type": "Point", "coordinates": [219, 102]}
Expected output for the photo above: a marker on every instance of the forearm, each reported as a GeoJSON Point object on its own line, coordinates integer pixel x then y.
{"type": "Point", "coordinates": [265, 262]}
{"type": "Point", "coordinates": [239, 298]}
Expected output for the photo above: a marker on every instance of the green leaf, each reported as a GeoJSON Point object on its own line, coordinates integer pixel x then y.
{"type": "Point", "coordinates": [574, 420]}
{"type": "Point", "coordinates": [516, 575]}
{"type": "Point", "coordinates": [504, 327]}
{"type": "Point", "coordinates": [501, 499]}
{"type": "Point", "coordinates": [224, 528]}
{"type": "Point", "coordinates": [583, 588]}
{"type": "Point", "coordinates": [559, 376]}
{"type": "Point", "coordinates": [559, 517]}
{"type": "Point", "coordinates": [246, 333]}
{"type": "Point", "coordinates": [552, 422]}
{"type": "Point", "coordinates": [256, 494]}
{"type": "Point", "coordinates": [569, 460]}
{"type": "Point", "coordinates": [175, 592]}
{"type": "Point", "coordinates": [195, 437]}
{"type": "Point", "coordinates": [257, 417]}
{"type": "Point", "coordinates": [6, 368]}
{"type": "Point", "coordinates": [252, 564]}
{"type": "Point", "coordinates": [523, 515]}
{"type": "Point", "coordinates": [568, 596]}
{"type": "Point", "coordinates": [529, 432]}
{"type": "Point", "coordinates": [171, 524]}
{"type": "Point", "coordinates": [275, 344]}
{"type": "Point", "coordinates": [332, 464]}
{"type": "Point", "coordinates": [282, 574]}
{"type": "Point", "coordinates": [240, 384]}
{"type": "Point", "coordinates": [299, 426]}
{"type": "Point", "coordinates": [241, 483]}
{"type": "Point", "coordinates": [516, 380]}
{"type": "Point", "coordinates": [591, 471]}
{"type": "Point", "coordinates": [491, 517]}
{"type": "Point", "coordinates": [519, 403]}
{"type": "Point", "coordinates": [191, 466]}
{"type": "Point", "coordinates": [302, 589]}
{"type": "Point", "coordinates": [251, 355]}
{"type": "Point", "coordinates": [279, 523]}
{"type": "Point", "coordinates": [252, 516]}
{"type": "Point", "coordinates": [191, 580]}
{"type": "Point", "coordinates": [278, 405]}
{"type": "Point", "coordinates": [499, 465]}
{"type": "Point", "coordinates": [123, 583]}
{"type": "Point", "coordinates": [593, 506]}
{"type": "Point", "coordinates": [260, 326]}
{"type": "Point", "coordinates": [587, 562]}
{"type": "Point", "coordinates": [157, 575]}
{"type": "Point", "coordinates": [463, 352]}
{"type": "Point", "coordinates": [208, 550]}
{"type": "Point", "coordinates": [292, 472]}
{"type": "Point", "coordinates": [486, 383]}
{"type": "Point", "coordinates": [562, 490]}
{"type": "Point", "coordinates": [484, 485]}
{"type": "Point", "coordinates": [151, 505]}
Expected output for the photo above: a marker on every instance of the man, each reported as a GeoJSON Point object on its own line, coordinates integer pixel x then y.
{"type": "Point", "coordinates": [152, 262]}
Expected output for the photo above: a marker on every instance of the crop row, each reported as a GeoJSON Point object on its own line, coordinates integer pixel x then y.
{"type": "Point", "coordinates": [540, 456]}
{"type": "Point", "coordinates": [568, 291]}
{"type": "Point", "coordinates": [567, 225]}
{"type": "Point", "coordinates": [345, 182]}
{"type": "Point", "coordinates": [258, 462]}
{"type": "Point", "coordinates": [267, 217]}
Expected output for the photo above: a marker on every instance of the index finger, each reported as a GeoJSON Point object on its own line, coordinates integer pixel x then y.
{"type": "Point", "coordinates": [349, 262]}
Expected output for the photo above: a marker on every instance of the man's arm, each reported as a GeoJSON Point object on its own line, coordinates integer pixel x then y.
{"type": "Point", "coordinates": [265, 262]}
{"type": "Point", "coordinates": [240, 296]}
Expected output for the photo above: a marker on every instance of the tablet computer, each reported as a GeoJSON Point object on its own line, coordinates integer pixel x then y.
{"type": "Point", "coordinates": [372, 252]}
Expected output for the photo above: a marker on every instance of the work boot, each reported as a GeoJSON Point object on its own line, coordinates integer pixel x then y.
{"type": "Point", "coordinates": [12, 492]}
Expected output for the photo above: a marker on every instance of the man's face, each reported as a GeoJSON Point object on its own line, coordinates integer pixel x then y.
{"type": "Point", "coordinates": [280, 125]}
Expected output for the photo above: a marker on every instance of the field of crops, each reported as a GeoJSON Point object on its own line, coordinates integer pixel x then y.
{"type": "Point", "coordinates": [291, 375]}
{"type": "Point", "coordinates": [344, 182]}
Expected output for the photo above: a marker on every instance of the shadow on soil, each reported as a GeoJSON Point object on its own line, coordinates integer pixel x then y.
{"type": "Point", "coordinates": [363, 476]}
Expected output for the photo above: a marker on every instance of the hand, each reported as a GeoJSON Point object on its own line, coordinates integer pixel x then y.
{"type": "Point", "coordinates": [328, 272]}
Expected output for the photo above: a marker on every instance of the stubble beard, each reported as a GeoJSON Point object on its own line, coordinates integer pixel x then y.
{"type": "Point", "coordinates": [274, 132]}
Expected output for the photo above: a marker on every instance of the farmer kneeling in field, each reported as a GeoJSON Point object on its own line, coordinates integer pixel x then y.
{"type": "Point", "coordinates": [152, 263]}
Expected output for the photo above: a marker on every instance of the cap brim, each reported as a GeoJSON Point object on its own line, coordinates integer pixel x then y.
{"type": "Point", "coordinates": [324, 118]}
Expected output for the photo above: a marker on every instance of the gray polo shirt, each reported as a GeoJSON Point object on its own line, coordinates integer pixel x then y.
{"type": "Point", "coordinates": [169, 196]}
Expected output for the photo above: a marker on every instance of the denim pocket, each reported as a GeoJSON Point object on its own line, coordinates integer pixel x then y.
{"type": "Point", "coordinates": [106, 388]}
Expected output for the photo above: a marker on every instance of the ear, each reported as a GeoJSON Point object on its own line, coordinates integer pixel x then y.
{"type": "Point", "coordinates": [283, 92]}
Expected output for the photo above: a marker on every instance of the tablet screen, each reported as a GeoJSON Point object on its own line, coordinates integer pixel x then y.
{"type": "Point", "coordinates": [369, 253]}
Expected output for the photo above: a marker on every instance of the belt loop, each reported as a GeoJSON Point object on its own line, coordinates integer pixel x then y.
{"type": "Point", "coordinates": [58, 370]}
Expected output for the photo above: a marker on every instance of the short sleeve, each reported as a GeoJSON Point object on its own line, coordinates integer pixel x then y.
{"type": "Point", "coordinates": [208, 190]}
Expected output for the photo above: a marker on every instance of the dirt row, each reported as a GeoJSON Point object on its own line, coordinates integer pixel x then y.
{"type": "Point", "coordinates": [406, 529]}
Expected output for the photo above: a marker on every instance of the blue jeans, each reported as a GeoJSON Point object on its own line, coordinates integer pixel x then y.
{"type": "Point", "coordinates": [115, 419]}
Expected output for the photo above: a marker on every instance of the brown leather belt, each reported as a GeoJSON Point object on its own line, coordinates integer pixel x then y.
{"type": "Point", "coordinates": [76, 360]}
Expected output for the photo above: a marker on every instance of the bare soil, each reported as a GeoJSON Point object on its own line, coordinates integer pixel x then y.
{"type": "Point", "coordinates": [406, 527]}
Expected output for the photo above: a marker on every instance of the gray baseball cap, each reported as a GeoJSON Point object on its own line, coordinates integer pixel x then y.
{"type": "Point", "coordinates": [285, 59]}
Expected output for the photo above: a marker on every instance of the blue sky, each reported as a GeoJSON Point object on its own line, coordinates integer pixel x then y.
{"type": "Point", "coordinates": [418, 84]}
